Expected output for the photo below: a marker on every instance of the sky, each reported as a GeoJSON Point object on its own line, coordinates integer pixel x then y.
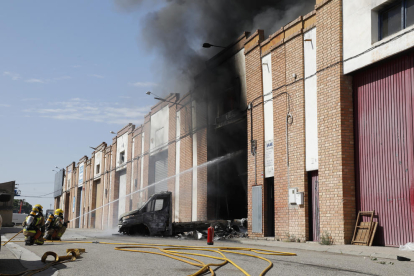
{"type": "Point", "coordinates": [70, 72]}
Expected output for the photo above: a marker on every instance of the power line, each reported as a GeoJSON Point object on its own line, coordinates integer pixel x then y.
{"type": "Point", "coordinates": [47, 181]}
{"type": "Point", "coordinates": [36, 196]}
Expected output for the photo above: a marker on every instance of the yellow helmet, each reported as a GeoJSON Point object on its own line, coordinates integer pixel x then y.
{"type": "Point", "coordinates": [37, 208]}
{"type": "Point", "coordinates": [59, 212]}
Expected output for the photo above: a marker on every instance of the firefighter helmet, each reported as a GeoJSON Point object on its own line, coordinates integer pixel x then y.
{"type": "Point", "coordinates": [59, 212]}
{"type": "Point", "coordinates": [38, 208]}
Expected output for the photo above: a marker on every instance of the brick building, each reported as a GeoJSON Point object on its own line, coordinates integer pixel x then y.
{"type": "Point", "coordinates": [170, 151]}
{"type": "Point", "coordinates": [301, 128]}
{"type": "Point", "coordinates": [291, 134]}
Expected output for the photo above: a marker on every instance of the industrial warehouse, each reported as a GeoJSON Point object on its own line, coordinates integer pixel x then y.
{"type": "Point", "coordinates": [298, 132]}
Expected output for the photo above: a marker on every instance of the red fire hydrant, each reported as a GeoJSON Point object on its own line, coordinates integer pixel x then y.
{"type": "Point", "coordinates": [210, 235]}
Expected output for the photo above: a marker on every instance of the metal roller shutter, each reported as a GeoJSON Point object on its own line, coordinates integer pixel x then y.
{"type": "Point", "coordinates": [161, 173]}
{"type": "Point", "coordinates": [384, 141]}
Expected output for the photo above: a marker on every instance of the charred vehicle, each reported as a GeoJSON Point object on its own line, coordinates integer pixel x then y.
{"type": "Point", "coordinates": [154, 218]}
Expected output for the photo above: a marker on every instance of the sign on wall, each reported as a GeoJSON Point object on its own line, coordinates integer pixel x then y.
{"type": "Point", "coordinates": [269, 159]}
{"type": "Point", "coordinates": [58, 187]}
{"type": "Point", "coordinates": [80, 183]}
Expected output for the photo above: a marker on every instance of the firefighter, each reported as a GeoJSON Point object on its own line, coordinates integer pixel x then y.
{"type": "Point", "coordinates": [34, 226]}
{"type": "Point", "coordinates": [55, 226]}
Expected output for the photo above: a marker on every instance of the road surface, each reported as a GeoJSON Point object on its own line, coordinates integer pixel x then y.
{"type": "Point", "coordinates": [102, 259]}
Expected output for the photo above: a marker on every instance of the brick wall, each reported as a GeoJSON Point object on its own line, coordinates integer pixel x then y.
{"type": "Point", "coordinates": [186, 162]}
{"type": "Point", "coordinates": [106, 181]}
{"type": "Point", "coordinates": [297, 219]}
{"type": "Point", "coordinates": [128, 199]}
{"type": "Point", "coordinates": [335, 125]}
{"type": "Point", "coordinates": [335, 128]}
{"type": "Point", "coordinates": [280, 110]}
{"type": "Point", "coordinates": [114, 189]}
{"type": "Point", "coordinates": [171, 152]}
{"type": "Point", "coordinates": [201, 117]}
{"type": "Point", "coordinates": [254, 85]}
{"type": "Point", "coordinates": [137, 136]}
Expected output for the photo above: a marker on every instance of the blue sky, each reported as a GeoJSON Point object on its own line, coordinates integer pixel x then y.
{"type": "Point", "coordinates": [70, 72]}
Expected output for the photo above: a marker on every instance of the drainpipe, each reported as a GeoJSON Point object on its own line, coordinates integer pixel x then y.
{"type": "Point", "coordinates": [253, 142]}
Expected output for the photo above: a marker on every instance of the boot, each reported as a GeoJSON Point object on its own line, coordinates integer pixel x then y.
{"type": "Point", "coordinates": [28, 241]}
{"type": "Point", "coordinates": [48, 237]}
{"type": "Point", "coordinates": [39, 242]}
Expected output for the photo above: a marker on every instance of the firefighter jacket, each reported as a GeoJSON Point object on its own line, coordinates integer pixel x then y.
{"type": "Point", "coordinates": [34, 221]}
{"type": "Point", "coordinates": [55, 222]}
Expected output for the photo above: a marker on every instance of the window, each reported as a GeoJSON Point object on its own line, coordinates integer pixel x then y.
{"type": "Point", "coordinates": [396, 17]}
{"type": "Point", "coordinates": [122, 157]}
{"type": "Point", "coordinates": [155, 205]}
{"type": "Point", "coordinates": [150, 206]}
{"type": "Point", "coordinates": [409, 12]}
{"type": "Point", "coordinates": [98, 167]}
{"type": "Point", "coordinates": [159, 204]}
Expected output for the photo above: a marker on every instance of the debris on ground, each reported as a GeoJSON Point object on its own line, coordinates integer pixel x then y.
{"type": "Point", "coordinates": [234, 229]}
{"type": "Point", "coordinates": [407, 247]}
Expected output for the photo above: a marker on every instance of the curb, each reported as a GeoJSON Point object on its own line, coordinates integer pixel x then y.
{"type": "Point", "coordinates": [327, 250]}
{"type": "Point", "coordinates": [28, 259]}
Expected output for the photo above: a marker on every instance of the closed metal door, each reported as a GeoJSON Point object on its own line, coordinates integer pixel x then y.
{"type": "Point", "coordinates": [98, 203]}
{"type": "Point", "coordinates": [384, 141]}
{"type": "Point", "coordinates": [315, 205]}
{"type": "Point", "coordinates": [161, 174]}
{"type": "Point", "coordinates": [257, 209]}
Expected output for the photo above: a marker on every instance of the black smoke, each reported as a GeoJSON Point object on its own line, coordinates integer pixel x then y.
{"type": "Point", "coordinates": [176, 29]}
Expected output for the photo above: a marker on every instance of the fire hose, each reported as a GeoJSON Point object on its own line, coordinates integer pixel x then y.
{"type": "Point", "coordinates": [175, 252]}
{"type": "Point", "coordinates": [12, 238]}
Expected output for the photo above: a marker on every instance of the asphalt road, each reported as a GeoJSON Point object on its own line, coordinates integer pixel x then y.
{"type": "Point", "coordinates": [102, 259]}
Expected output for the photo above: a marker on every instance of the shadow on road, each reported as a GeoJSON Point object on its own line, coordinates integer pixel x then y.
{"type": "Point", "coordinates": [7, 230]}
{"type": "Point", "coordinates": [10, 266]}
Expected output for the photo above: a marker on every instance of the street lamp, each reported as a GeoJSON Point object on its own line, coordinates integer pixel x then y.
{"type": "Point", "coordinates": [208, 45]}
{"type": "Point", "coordinates": [92, 148]}
{"type": "Point", "coordinates": [149, 93]}
{"type": "Point", "coordinates": [163, 100]}
{"type": "Point", "coordinates": [112, 132]}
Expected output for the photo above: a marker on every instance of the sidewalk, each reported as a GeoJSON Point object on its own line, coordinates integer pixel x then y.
{"type": "Point", "coordinates": [356, 250]}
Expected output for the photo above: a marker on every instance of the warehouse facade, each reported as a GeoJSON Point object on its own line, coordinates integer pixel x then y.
{"type": "Point", "coordinates": [301, 130]}
{"type": "Point", "coordinates": [171, 151]}
{"type": "Point", "coordinates": [380, 59]}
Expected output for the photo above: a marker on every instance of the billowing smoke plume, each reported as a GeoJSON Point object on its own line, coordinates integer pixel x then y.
{"type": "Point", "coordinates": [176, 29]}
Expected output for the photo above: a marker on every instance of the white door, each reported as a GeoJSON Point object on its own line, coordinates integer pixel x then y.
{"type": "Point", "coordinates": [122, 192]}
